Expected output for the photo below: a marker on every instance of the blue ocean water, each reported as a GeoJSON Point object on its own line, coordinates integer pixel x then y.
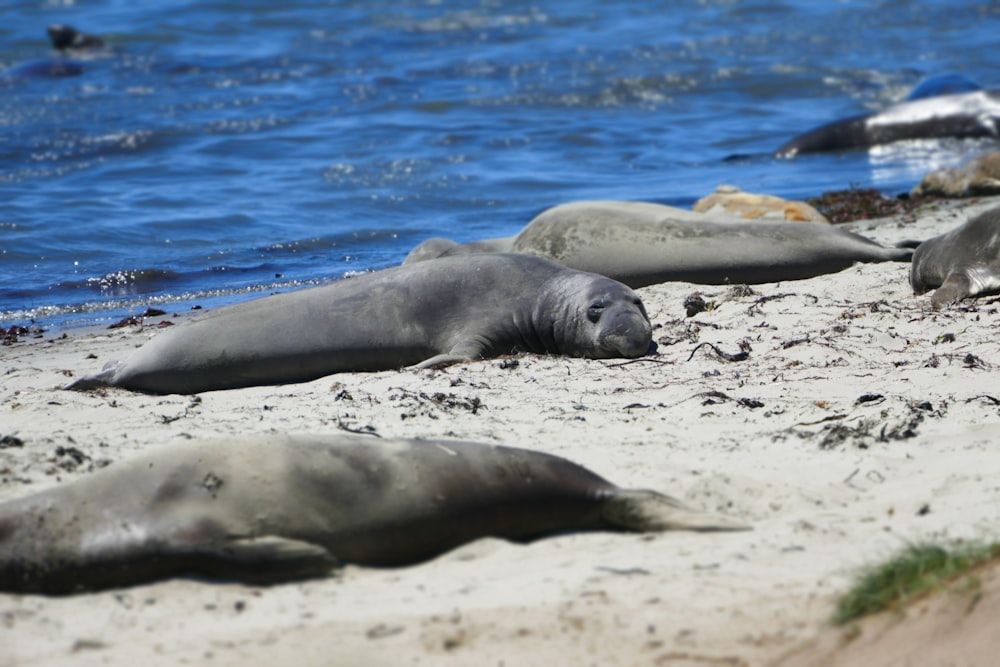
{"type": "Point", "coordinates": [225, 149]}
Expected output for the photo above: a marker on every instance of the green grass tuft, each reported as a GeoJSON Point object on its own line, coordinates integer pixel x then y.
{"type": "Point", "coordinates": [918, 570]}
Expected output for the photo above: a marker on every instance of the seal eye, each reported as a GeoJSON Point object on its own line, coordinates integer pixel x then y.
{"type": "Point", "coordinates": [595, 310]}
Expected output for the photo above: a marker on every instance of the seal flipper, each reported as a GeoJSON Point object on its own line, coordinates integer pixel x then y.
{"type": "Point", "coordinates": [441, 360]}
{"type": "Point", "coordinates": [955, 287]}
{"type": "Point", "coordinates": [262, 560]}
{"type": "Point", "coordinates": [464, 351]}
{"type": "Point", "coordinates": [649, 511]}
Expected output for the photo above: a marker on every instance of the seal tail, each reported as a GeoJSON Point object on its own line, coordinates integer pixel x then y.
{"type": "Point", "coordinates": [106, 378]}
{"type": "Point", "coordinates": [649, 511]}
{"type": "Point", "coordinates": [900, 254]}
{"type": "Point", "coordinates": [103, 379]}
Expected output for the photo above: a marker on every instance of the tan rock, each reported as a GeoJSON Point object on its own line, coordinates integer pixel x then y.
{"type": "Point", "coordinates": [976, 178]}
{"type": "Point", "coordinates": [730, 200]}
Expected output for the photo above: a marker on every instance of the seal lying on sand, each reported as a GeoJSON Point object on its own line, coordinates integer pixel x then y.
{"type": "Point", "coordinates": [964, 262]}
{"type": "Point", "coordinates": [275, 508]}
{"type": "Point", "coordinates": [643, 244]}
{"type": "Point", "coordinates": [429, 313]}
{"type": "Point", "coordinates": [959, 116]}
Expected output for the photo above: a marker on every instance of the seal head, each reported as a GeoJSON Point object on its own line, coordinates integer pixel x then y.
{"type": "Point", "coordinates": [603, 319]}
{"type": "Point", "coordinates": [68, 38]}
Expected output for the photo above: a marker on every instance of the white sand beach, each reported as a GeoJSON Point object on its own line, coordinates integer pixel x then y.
{"type": "Point", "coordinates": [860, 422]}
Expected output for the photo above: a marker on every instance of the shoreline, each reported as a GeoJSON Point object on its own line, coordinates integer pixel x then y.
{"type": "Point", "coordinates": [73, 318]}
{"type": "Point", "coordinates": [858, 424]}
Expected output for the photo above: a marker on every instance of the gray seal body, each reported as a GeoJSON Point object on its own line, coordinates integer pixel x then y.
{"type": "Point", "coordinates": [640, 243]}
{"type": "Point", "coordinates": [429, 313]}
{"type": "Point", "coordinates": [961, 263]}
{"type": "Point", "coordinates": [275, 508]}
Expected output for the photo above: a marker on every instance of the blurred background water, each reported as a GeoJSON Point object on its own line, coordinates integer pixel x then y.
{"type": "Point", "coordinates": [221, 150]}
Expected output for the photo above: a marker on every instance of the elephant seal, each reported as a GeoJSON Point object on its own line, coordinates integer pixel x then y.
{"type": "Point", "coordinates": [641, 244]}
{"type": "Point", "coordinates": [429, 314]}
{"type": "Point", "coordinates": [959, 116]}
{"type": "Point", "coordinates": [961, 263]}
{"type": "Point", "coordinates": [275, 508]}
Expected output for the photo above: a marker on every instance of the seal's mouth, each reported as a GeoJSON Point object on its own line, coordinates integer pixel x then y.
{"type": "Point", "coordinates": [625, 346]}
{"type": "Point", "coordinates": [626, 334]}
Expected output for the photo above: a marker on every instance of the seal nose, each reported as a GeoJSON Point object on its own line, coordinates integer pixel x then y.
{"type": "Point", "coordinates": [627, 332]}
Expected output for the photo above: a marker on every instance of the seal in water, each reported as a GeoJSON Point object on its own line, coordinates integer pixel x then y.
{"type": "Point", "coordinates": [964, 262]}
{"type": "Point", "coordinates": [68, 38]}
{"type": "Point", "coordinates": [959, 116]}
{"type": "Point", "coordinates": [429, 313]}
{"type": "Point", "coordinates": [643, 244]}
{"type": "Point", "coordinates": [275, 508]}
